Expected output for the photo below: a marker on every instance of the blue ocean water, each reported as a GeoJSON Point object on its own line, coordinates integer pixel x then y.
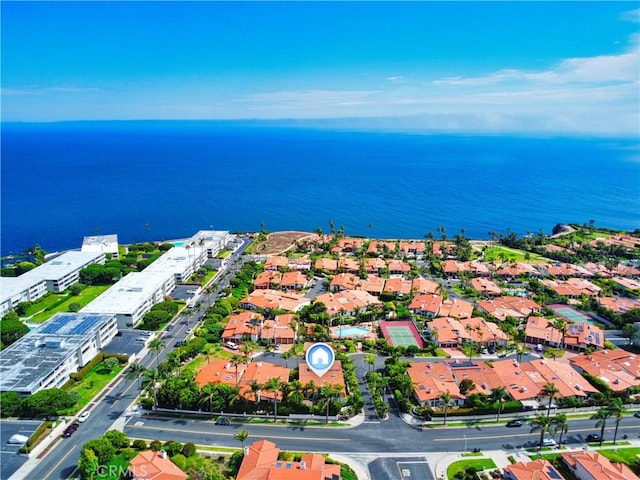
{"type": "Point", "coordinates": [62, 181]}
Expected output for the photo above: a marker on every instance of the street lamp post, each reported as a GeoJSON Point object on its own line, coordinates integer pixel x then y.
{"type": "Point", "coordinates": [465, 443]}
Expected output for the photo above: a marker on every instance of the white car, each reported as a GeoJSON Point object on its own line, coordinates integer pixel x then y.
{"type": "Point", "coordinates": [549, 442]}
{"type": "Point", "coordinates": [84, 415]}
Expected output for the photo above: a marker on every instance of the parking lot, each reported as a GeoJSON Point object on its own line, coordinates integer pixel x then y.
{"type": "Point", "coordinates": [130, 342]}
{"type": "Point", "coordinates": [415, 468]}
{"type": "Point", "coordinates": [11, 460]}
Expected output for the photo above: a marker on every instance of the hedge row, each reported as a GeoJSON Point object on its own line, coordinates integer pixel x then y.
{"type": "Point", "coordinates": [122, 358]}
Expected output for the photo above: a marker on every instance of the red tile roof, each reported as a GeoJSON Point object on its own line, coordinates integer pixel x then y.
{"type": "Point", "coordinates": [151, 465]}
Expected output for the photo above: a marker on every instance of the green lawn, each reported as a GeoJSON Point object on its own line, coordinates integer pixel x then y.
{"type": "Point", "coordinates": [118, 465]}
{"type": "Point", "coordinates": [90, 385]}
{"type": "Point", "coordinates": [462, 465]}
{"type": "Point", "coordinates": [88, 295]}
{"type": "Point", "coordinates": [493, 253]}
{"type": "Point", "coordinates": [627, 455]}
{"type": "Point", "coordinates": [45, 302]}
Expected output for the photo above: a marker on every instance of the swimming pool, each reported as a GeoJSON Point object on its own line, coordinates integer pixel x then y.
{"type": "Point", "coordinates": [178, 244]}
{"type": "Point", "coordinates": [352, 332]}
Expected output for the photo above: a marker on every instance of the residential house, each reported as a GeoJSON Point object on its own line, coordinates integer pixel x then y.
{"type": "Point", "coordinates": [573, 287]}
{"type": "Point", "coordinates": [430, 381]}
{"type": "Point", "coordinates": [333, 377]}
{"type": "Point", "coordinates": [328, 264]}
{"type": "Point", "coordinates": [447, 332]}
{"type": "Point", "coordinates": [398, 267]}
{"type": "Point", "coordinates": [565, 270]}
{"type": "Point", "coordinates": [347, 302]}
{"type": "Point", "coordinates": [260, 462]}
{"type": "Point", "coordinates": [302, 263]}
{"type": "Point", "coordinates": [344, 281]}
{"type": "Point", "coordinates": [503, 307]}
{"type": "Point", "coordinates": [483, 377]}
{"type": "Point", "coordinates": [273, 299]}
{"type": "Point", "coordinates": [486, 334]}
{"type": "Point", "coordinates": [220, 371]}
{"type": "Point", "coordinates": [397, 286]}
{"type": "Point", "coordinates": [511, 271]}
{"type": "Point", "coordinates": [242, 326]}
{"type": "Point", "coordinates": [627, 283]}
{"type": "Point", "coordinates": [374, 266]}
{"type": "Point", "coordinates": [412, 249]}
{"type": "Point", "coordinates": [619, 304]}
{"type": "Point", "coordinates": [349, 265]}
{"type": "Point", "coordinates": [279, 331]}
{"type": "Point", "coordinates": [485, 287]}
{"type": "Point", "coordinates": [540, 469]}
{"type": "Point", "coordinates": [619, 369]}
{"type": "Point", "coordinates": [424, 286]}
{"type": "Point", "coordinates": [456, 308]}
{"type": "Point", "coordinates": [377, 247]}
{"type": "Point", "coordinates": [349, 244]}
{"type": "Point", "coordinates": [261, 372]}
{"type": "Point", "coordinates": [588, 465]}
{"type": "Point", "coordinates": [293, 280]}
{"type": "Point", "coordinates": [150, 465]}
{"type": "Point", "coordinates": [569, 382]}
{"type": "Point", "coordinates": [598, 269]}
{"type": "Point", "coordinates": [627, 270]}
{"type": "Point", "coordinates": [267, 279]}
{"type": "Point", "coordinates": [372, 284]}
{"type": "Point", "coordinates": [426, 305]}
{"type": "Point", "coordinates": [519, 385]}
{"type": "Point", "coordinates": [276, 262]}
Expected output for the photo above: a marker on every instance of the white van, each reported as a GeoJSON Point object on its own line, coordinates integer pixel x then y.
{"type": "Point", "coordinates": [232, 346]}
{"type": "Point", "coordinates": [549, 442]}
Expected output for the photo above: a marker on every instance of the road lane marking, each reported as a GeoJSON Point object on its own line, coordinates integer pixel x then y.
{"type": "Point", "coordinates": [209, 432]}
{"type": "Point", "coordinates": [58, 464]}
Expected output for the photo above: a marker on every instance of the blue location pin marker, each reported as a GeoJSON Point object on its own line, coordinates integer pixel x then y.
{"type": "Point", "coordinates": [320, 358]}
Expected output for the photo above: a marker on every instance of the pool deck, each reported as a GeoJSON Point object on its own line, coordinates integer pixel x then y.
{"type": "Point", "coordinates": [366, 326]}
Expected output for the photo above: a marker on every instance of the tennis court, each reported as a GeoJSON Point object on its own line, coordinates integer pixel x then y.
{"type": "Point", "coordinates": [401, 334]}
{"type": "Point", "coordinates": [571, 314]}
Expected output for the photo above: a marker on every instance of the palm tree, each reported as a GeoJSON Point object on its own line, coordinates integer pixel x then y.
{"type": "Point", "coordinates": [136, 370]}
{"type": "Point", "coordinates": [561, 325]}
{"type": "Point", "coordinates": [247, 350]}
{"type": "Point", "coordinates": [445, 402]}
{"type": "Point", "coordinates": [601, 415]}
{"type": "Point", "coordinates": [542, 424]}
{"type": "Point", "coordinates": [286, 356]}
{"type": "Point", "coordinates": [242, 435]}
{"type": "Point", "coordinates": [549, 390]}
{"type": "Point", "coordinates": [152, 377]}
{"type": "Point", "coordinates": [371, 360]}
{"type": "Point", "coordinates": [273, 385]}
{"type": "Point", "coordinates": [255, 389]}
{"type": "Point", "coordinates": [235, 361]}
{"type": "Point", "coordinates": [617, 410]}
{"type": "Point", "coordinates": [561, 425]}
{"type": "Point", "coordinates": [156, 345]}
{"type": "Point", "coordinates": [328, 394]}
{"type": "Point", "coordinates": [208, 395]}
{"type": "Point", "coordinates": [499, 394]}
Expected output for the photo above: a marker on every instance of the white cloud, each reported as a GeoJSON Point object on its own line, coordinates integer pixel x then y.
{"type": "Point", "coordinates": [631, 16]}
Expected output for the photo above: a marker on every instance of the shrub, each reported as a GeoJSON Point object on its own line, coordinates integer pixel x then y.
{"type": "Point", "coordinates": [117, 439]}
{"type": "Point", "coordinates": [139, 444]}
{"type": "Point", "coordinates": [180, 461]}
{"type": "Point", "coordinates": [172, 447]}
{"type": "Point", "coordinates": [156, 445]}
{"type": "Point", "coordinates": [189, 449]}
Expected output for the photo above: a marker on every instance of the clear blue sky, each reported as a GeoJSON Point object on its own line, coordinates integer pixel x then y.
{"type": "Point", "coordinates": [458, 66]}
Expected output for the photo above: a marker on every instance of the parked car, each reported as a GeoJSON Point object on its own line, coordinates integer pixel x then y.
{"type": "Point", "coordinates": [549, 442]}
{"type": "Point", "coordinates": [637, 414]}
{"type": "Point", "coordinates": [223, 421]}
{"type": "Point", "coordinates": [70, 430]}
{"type": "Point", "coordinates": [232, 346]}
{"type": "Point", "coordinates": [593, 437]}
{"type": "Point", "coordinates": [514, 423]}
{"type": "Point", "coordinates": [84, 415]}
{"type": "Point", "coordinates": [169, 328]}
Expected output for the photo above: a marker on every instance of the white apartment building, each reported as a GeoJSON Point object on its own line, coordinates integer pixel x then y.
{"type": "Point", "coordinates": [107, 244]}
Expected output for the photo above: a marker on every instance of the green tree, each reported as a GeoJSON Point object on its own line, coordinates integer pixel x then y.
{"type": "Point", "coordinates": [549, 390]}
{"type": "Point", "coordinates": [102, 448]}
{"type": "Point", "coordinates": [47, 403]}
{"type": "Point", "coordinates": [328, 395]}
{"type": "Point", "coordinates": [499, 394]}
{"type": "Point", "coordinates": [10, 403]}
{"type": "Point", "coordinates": [601, 415]}
{"type": "Point", "coordinates": [11, 329]}
{"type": "Point", "coordinates": [561, 424]}
{"type": "Point", "coordinates": [156, 345]}
{"type": "Point", "coordinates": [117, 438]}
{"type": "Point", "coordinates": [109, 364]}
{"type": "Point", "coordinates": [617, 411]}
{"type": "Point", "coordinates": [466, 385]}
{"type": "Point", "coordinates": [242, 435]}
{"type": "Point", "coordinates": [445, 403]}
{"type": "Point", "coordinates": [88, 464]}
{"type": "Point", "coordinates": [136, 370]}
{"type": "Point", "coordinates": [542, 424]}
{"type": "Point", "coordinates": [370, 359]}
{"type": "Point", "coordinates": [273, 385]}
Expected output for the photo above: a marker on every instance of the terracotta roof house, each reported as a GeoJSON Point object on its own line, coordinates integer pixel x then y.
{"type": "Point", "coordinates": [478, 269]}
{"type": "Point", "coordinates": [587, 465]}
{"type": "Point", "coordinates": [379, 247]}
{"type": "Point", "coordinates": [261, 372]}
{"type": "Point", "coordinates": [430, 381]}
{"type": "Point", "coordinates": [536, 470]}
{"type": "Point", "coordinates": [424, 286]}
{"type": "Point", "coordinates": [565, 270]}
{"type": "Point", "coordinates": [293, 280]}
{"type": "Point", "coordinates": [447, 332]}
{"type": "Point", "coordinates": [412, 248]}
{"type": "Point", "coordinates": [398, 267]}
{"type": "Point", "coordinates": [302, 263]}
{"type": "Point", "coordinates": [334, 376]}
{"type": "Point", "coordinates": [483, 377]}
{"type": "Point", "coordinates": [617, 368]}
{"type": "Point", "coordinates": [273, 299]}
{"type": "Point", "coordinates": [349, 244]}
{"type": "Point", "coordinates": [451, 268]}
{"type": "Point", "coordinates": [267, 279]}
{"type": "Point", "coordinates": [278, 330]}
{"type": "Point", "coordinates": [456, 308]}
{"type": "Point", "coordinates": [514, 270]}
{"type": "Point", "coordinates": [519, 385]}
{"type": "Point", "coordinates": [149, 465]}
{"type": "Point", "coordinates": [260, 462]}
{"type": "Point", "coordinates": [275, 262]}
{"type": "Point", "coordinates": [626, 270]}
{"type": "Point", "coordinates": [426, 305]}
{"type": "Point", "coordinates": [484, 333]}
{"type": "Point", "coordinates": [486, 287]}
{"type": "Point", "coordinates": [598, 269]}
{"type": "Point", "coordinates": [567, 379]}
{"type": "Point", "coordinates": [219, 371]}
{"type": "Point", "coordinates": [579, 335]}
{"type": "Point", "coordinates": [348, 264]}
{"type": "Point", "coordinates": [441, 248]}
{"type": "Point", "coordinates": [398, 286]}
{"type": "Point", "coordinates": [242, 326]}
{"type": "Point", "coordinates": [328, 264]}
{"type": "Point", "coordinates": [503, 307]}
{"type": "Point", "coordinates": [374, 265]}
{"type": "Point", "coordinates": [348, 302]}
{"type": "Point", "coordinates": [619, 304]}
{"type": "Point", "coordinates": [372, 284]}
{"type": "Point", "coordinates": [626, 283]}
{"type": "Point", "coordinates": [344, 281]}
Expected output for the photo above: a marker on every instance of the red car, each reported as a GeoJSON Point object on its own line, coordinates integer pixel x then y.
{"type": "Point", "coordinates": [70, 429]}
